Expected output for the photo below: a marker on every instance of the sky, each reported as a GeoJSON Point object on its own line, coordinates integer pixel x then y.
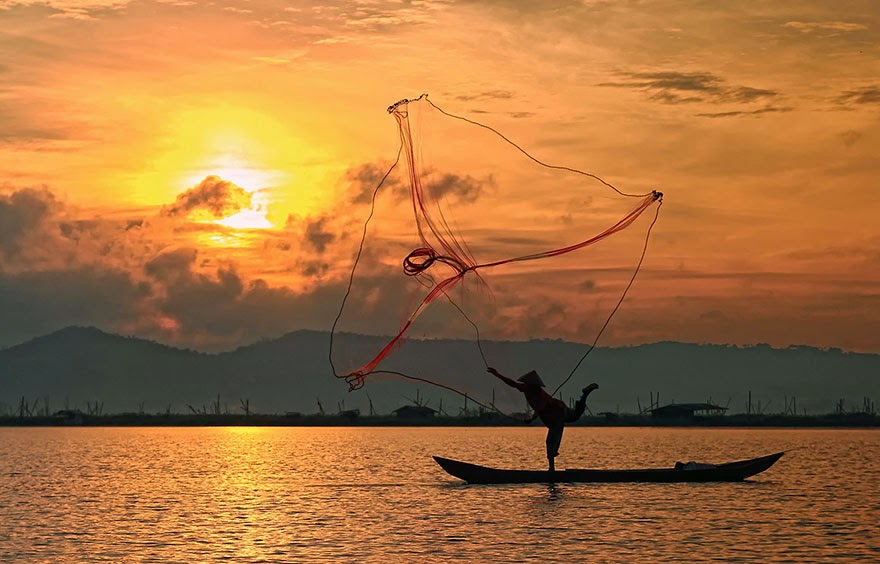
{"type": "Point", "coordinates": [198, 173]}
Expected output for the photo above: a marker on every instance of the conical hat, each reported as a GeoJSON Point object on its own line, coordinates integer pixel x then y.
{"type": "Point", "coordinates": [531, 378]}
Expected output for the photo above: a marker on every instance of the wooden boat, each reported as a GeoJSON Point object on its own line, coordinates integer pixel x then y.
{"type": "Point", "coordinates": [728, 472]}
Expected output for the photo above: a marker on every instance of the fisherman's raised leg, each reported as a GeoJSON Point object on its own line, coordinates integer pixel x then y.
{"type": "Point", "coordinates": [581, 404]}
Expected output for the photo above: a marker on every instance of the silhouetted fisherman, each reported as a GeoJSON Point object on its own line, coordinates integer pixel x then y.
{"type": "Point", "coordinates": [552, 411]}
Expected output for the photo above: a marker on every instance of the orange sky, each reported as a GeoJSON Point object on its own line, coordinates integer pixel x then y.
{"type": "Point", "coordinates": [188, 172]}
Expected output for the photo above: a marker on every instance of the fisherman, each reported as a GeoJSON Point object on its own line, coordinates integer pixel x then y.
{"type": "Point", "coordinates": [553, 412]}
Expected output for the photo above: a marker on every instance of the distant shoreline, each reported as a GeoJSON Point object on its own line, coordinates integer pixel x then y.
{"type": "Point", "coordinates": [846, 420]}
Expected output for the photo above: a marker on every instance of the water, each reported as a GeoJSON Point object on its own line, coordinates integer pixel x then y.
{"type": "Point", "coordinates": [374, 495]}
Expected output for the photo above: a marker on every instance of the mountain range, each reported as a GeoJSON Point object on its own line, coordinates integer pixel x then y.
{"type": "Point", "coordinates": [83, 366]}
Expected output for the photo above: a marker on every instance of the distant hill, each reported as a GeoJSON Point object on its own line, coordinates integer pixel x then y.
{"type": "Point", "coordinates": [78, 365]}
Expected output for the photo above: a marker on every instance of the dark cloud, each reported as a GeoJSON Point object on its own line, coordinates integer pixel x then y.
{"type": "Point", "coordinates": [716, 317]}
{"type": "Point", "coordinates": [667, 97]}
{"type": "Point", "coordinates": [314, 268]}
{"type": "Point", "coordinates": [539, 319]}
{"type": "Point", "coordinates": [38, 302]}
{"type": "Point", "coordinates": [38, 231]}
{"type": "Point", "coordinates": [75, 230]}
{"type": "Point", "coordinates": [201, 303]}
{"type": "Point", "coordinates": [759, 111]}
{"type": "Point", "coordinates": [171, 265]}
{"type": "Point", "coordinates": [317, 236]}
{"type": "Point", "coordinates": [692, 82]}
{"type": "Point", "coordinates": [866, 95]}
{"type": "Point", "coordinates": [364, 179]}
{"type": "Point", "coordinates": [69, 270]}
{"type": "Point", "coordinates": [16, 131]}
{"type": "Point", "coordinates": [465, 188]}
{"type": "Point", "coordinates": [22, 213]}
{"type": "Point", "coordinates": [221, 198]}
{"type": "Point", "coordinates": [865, 254]}
{"type": "Point", "coordinates": [222, 309]}
{"type": "Point", "coordinates": [746, 94]}
{"type": "Point", "coordinates": [850, 137]}
{"type": "Point", "coordinates": [487, 95]}
{"type": "Point", "coordinates": [688, 87]}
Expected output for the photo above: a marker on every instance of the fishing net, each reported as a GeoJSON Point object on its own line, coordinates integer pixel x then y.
{"type": "Point", "coordinates": [472, 245]}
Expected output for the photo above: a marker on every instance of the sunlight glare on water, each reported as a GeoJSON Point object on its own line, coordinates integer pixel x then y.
{"type": "Point", "coordinates": [360, 494]}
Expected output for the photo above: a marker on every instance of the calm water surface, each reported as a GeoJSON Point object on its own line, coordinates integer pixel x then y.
{"type": "Point", "coordinates": [374, 495]}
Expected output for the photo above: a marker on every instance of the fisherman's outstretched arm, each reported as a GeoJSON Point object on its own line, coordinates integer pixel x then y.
{"type": "Point", "coordinates": [512, 383]}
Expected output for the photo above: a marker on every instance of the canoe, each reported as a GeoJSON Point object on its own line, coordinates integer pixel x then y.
{"type": "Point", "coordinates": [728, 472]}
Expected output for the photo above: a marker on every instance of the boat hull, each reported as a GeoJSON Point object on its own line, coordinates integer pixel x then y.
{"type": "Point", "coordinates": [728, 472]}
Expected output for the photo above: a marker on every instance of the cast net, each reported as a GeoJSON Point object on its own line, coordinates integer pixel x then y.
{"type": "Point", "coordinates": [472, 246]}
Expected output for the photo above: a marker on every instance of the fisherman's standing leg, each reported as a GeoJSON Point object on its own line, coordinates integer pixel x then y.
{"type": "Point", "coordinates": [554, 439]}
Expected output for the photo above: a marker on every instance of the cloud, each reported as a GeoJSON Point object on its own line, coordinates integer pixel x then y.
{"type": "Point", "coordinates": [21, 214]}
{"type": "Point", "coordinates": [487, 95]}
{"type": "Point", "coordinates": [18, 127]}
{"type": "Point", "coordinates": [850, 137]}
{"type": "Point", "coordinates": [864, 95]}
{"type": "Point", "coordinates": [221, 309]}
{"type": "Point", "coordinates": [317, 236]}
{"type": "Point", "coordinates": [314, 268]}
{"type": "Point", "coordinates": [378, 17]}
{"type": "Point", "coordinates": [746, 94]}
{"type": "Point", "coordinates": [38, 302]}
{"type": "Point", "coordinates": [114, 274]}
{"type": "Point", "coordinates": [74, 9]}
{"type": "Point", "coordinates": [220, 198]}
{"type": "Point", "coordinates": [759, 111]}
{"type": "Point", "coordinates": [538, 319]}
{"type": "Point", "coordinates": [169, 266]}
{"type": "Point", "coordinates": [465, 188]}
{"type": "Point", "coordinates": [364, 179]}
{"type": "Point", "coordinates": [39, 231]}
{"type": "Point", "coordinates": [833, 26]}
{"type": "Point", "coordinates": [688, 87]}
{"type": "Point", "coordinates": [143, 275]}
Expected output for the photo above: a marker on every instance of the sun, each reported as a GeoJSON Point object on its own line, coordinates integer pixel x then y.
{"type": "Point", "coordinates": [283, 165]}
{"type": "Point", "coordinates": [242, 145]}
{"type": "Point", "coordinates": [255, 181]}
